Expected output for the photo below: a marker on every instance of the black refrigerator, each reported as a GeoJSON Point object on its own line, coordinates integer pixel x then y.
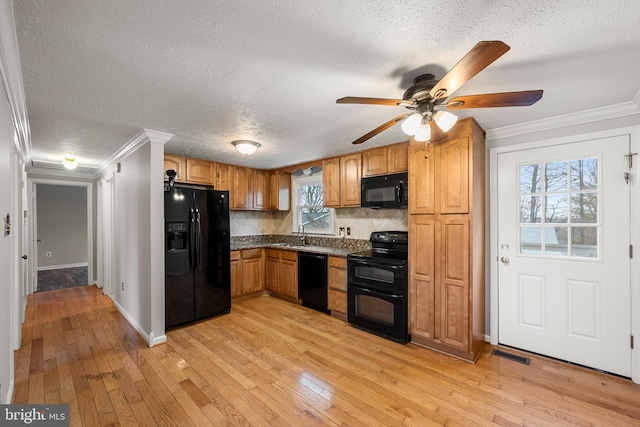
{"type": "Point", "coordinates": [197, 255]}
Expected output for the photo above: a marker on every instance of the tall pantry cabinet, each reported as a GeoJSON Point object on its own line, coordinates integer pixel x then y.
{"type": "Point", "coordinates": [446, 242]}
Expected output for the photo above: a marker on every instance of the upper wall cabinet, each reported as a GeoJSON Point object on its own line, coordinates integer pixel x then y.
{"type": "Point", "coordinates": [331, 182]}
{"type": "Point", "coordinates": [385, 160]}
{"type": "Point", "coordinates": [240, 193]}
{"type": "Point", "coordinates": [260, 189]}
{"type": "Point", "coordinates": [341, 181]}
{"type": "Point", "coordinates": [223, 177]}
{"type": "Point", "coordinates": [200, 171]}
{"type": "Point", "coordinates": [279, 191]}
{"type": "Point", "coordinates": [176, 163]}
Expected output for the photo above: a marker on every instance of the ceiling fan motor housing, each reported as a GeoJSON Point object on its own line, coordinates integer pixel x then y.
{"type": "Point", "coordinates": [421, 87]}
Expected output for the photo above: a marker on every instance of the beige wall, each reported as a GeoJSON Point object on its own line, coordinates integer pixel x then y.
{"type": "Point", "coordinates": [362, 222]}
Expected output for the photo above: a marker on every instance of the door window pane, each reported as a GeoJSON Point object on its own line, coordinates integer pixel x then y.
{"type": "Point", "coordinates": [584, 208]}
{"type": "Point", "coordinates": [531, 240]}
{"type": "Point", "coordinates": [556, 241]}
{"type": "Point", "coordinates": [530, 209]}
{"type": "Point", "coordinates": [584, 242]}
{"type": "Point", "coordinates": [557, 208]}
{"type": "Point", "coordinates": [562, 199]}
{"type": "Point", "coordinates": [584, 174]}
{"type": "Point", "coordinates": [530, 177]}
{"type": "Point", "coordinates": [555, 177]}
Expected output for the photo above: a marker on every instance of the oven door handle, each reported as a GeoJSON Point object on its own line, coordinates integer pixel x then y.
{"type": "Point", "coordinates": [377, 264]}
{"type": "Point", "coordinates": [370, 292]}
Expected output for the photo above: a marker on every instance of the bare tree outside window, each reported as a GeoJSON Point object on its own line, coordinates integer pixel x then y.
{"type": "Point", "coordinates": [309, 209]}
{"type": "Point", "coordinates": [559, 208]}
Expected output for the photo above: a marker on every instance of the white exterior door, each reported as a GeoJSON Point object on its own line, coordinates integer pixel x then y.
{"type": "Point", "coordinates": [563, 234]}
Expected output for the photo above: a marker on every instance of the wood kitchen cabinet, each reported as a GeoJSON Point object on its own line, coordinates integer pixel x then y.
{"type": "Point", "coordinates": [177, 163]}
{"type": "Point", "coordinates": [385, 160]}
{"type": "Point", "coordinates": [252, 271]}
{"type": "Point", "coordinates": [260, 189]}
{"type": "Point", "coordinates": [281, 272]}
{"type": "Point", "coordinates": [223, 177]}
{"type": "Point", "coordinates": [289, 274]}
{"type": "Point", "coordinates": [341, 180]}
{"type": "Point", "coordinates": [446, 248]}
{"type": "Point", "coordinates": [337, 286]}
{"type": "Point", "coordinates": [239, 192]}
{"type": "Point", "coordinates": [279, 191]}
{"type": "Point", "coordinates": [236, 274]}
{"type": "Point", "coordinates": [200, 171]}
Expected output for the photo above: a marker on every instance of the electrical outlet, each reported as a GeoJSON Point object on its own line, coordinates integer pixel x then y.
{"type": "Point", "coordinates": [49, 254]}
{"type": "Point", "coordinates": [123, 286]}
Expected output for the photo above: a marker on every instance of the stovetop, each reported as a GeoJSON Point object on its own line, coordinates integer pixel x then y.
{"type": "Point", "coordinates": [386, 245]}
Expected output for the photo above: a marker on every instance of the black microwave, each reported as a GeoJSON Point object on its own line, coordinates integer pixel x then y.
{"type": "Point", "coordinates": [384, 191]}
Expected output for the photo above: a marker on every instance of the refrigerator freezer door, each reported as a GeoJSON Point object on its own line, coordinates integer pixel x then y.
{"type": "Point", "coordinates": [179, 292]}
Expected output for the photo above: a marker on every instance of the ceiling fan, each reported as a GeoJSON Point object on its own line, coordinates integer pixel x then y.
{"type": "Point", "coordinates": [427, 96]}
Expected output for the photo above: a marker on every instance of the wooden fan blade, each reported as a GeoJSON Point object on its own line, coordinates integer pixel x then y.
{"type": "Point", "coordinates": [380, 128]}
{"type": "Point", "coordinates": [504, 99]}
{"type": "Point", "coordinates": [374, 101]}
{"type": "Point", "coordinates": [476, 60]}
{"type": "Point", "coordinates": [436, 133]}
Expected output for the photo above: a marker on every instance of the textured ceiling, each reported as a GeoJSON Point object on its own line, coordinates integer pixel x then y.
{"type": "Point", "coordinates": [96, 72]}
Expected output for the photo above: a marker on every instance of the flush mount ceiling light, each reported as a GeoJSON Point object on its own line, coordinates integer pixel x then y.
{"type": "Point", "coordinates": [70, 162]}
{"type": "Point", "coordinates": [246, 147]}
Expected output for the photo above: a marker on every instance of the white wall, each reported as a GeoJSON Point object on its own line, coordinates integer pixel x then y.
{"type": "Point", "coordinates": [139, 240]}
{"type": "Point", "coordinates": [6, 264]}
{"type": "Point", "coordinates": [61, 225]}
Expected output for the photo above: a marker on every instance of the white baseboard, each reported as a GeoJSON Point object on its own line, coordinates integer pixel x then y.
{"type": "Point", "coordinates": [9, 397]}
{"type": "Point", "coordinates": [59, 267]}
{"type": "Point", "coordinates": [487, 338]}
{"type": "Point", "coordinates": [148, 337]}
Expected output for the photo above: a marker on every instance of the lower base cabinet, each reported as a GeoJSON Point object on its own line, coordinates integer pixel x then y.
{"type": "Point", "coordinates": [337, 286]}
{"type": "Point", "coordinates": [247, 272]}
{"type": "Point", "coordinates": [281, 272]}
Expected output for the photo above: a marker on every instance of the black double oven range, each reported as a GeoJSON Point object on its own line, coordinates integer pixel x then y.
{"type": "Point", "coordinates": [377, 291]}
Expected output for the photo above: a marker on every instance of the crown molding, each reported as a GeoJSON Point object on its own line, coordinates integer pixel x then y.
{"type": "Point", "coordinates": [11, 73]}
{"type": "Point", "coordinates": [602, 113]}
{"type": "Point", "coordinates": [141, 138]}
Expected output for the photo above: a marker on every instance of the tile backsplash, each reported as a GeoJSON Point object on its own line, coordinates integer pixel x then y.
{"type": "Point", "coordinates": [361, 221]}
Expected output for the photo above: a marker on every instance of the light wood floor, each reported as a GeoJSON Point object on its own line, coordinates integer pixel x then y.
{"type": "Point", "coordinates": [273, 363]}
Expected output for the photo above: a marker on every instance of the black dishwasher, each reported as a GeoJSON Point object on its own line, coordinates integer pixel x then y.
{"type": "Point", "coordinates": [312, 280]}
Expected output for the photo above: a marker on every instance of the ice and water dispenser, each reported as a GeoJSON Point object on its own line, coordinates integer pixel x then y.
{"type": "Point", "coordinates": [177, 236]}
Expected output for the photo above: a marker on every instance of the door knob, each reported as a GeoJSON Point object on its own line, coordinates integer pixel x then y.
{"type": "Point", "coordinates": [505, 260]}
{"type": "Point", "coordinates": [24, 257]}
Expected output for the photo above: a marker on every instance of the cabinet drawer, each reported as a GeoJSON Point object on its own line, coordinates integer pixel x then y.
{"type": "Point", "coordinates": [337, 301]}
{"type": "Point", "coordinates": [272, 253]}
{"type": "Point", "coordinates": [251, 253]}
{"type": "Point", "coordinates": [289, 255]}
{"type": "Point", "coordinates": [235, 255]}
{"type": "Point", "coordinates": [338, 262]}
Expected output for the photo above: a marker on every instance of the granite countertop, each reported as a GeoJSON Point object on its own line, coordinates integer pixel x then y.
{"type": "Point", "coordinates": [315, 244]}
{"type": "Point", "coordinates": [297, 248]}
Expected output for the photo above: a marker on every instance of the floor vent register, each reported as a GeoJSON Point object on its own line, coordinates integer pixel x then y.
{"type": "Point", "coordinates": [514, 357]}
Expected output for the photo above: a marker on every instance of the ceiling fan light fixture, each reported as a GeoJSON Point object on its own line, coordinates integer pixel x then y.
{"type": "Point", "coordinates": [424, 132]}
{"type": "Point", "coordinates": [412, 123]}
{"type": "Point", "coordinates": [445, 120]}
{"type": "Point", "coordinates": [246, 147]}
{"type": "Point", "coordinates": [70, 163]}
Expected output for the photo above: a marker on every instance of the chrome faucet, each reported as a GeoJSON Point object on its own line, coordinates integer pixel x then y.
{"type": "Point", "coordinates": [302, 236]}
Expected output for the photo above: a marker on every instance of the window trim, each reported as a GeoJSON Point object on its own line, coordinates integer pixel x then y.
{"type": "Point", "coordinates": [296, 182]}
